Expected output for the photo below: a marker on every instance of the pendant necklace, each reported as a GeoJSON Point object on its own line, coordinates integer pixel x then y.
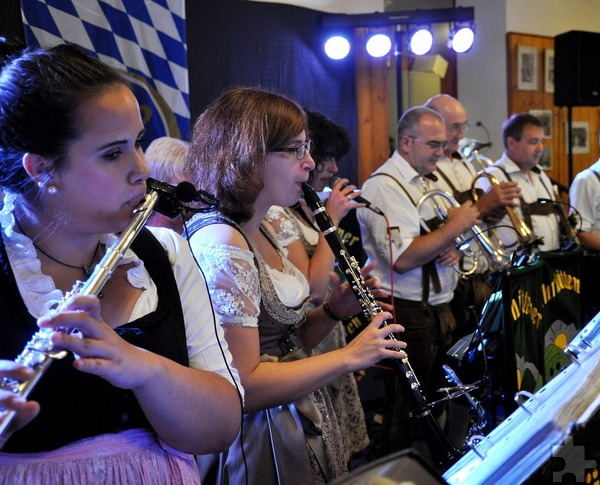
{"type": "Point", "coordinates": [85, 269]}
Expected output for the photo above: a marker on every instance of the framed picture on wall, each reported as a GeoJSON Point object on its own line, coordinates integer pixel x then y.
{"type": "Point", "coordinates": [545, 116]}
{"type": "Point", "coordinates": [546, 158]}
{"type": "Point", "coordinates": [527, 68]}
{"type": "Point", "coordinates": [580, 135]}
{"type": "Point", "coordinates": [549, 70]}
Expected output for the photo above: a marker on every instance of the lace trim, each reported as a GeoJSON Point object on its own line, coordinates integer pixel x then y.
{"type": "Point", "coordinates": [37, 289]}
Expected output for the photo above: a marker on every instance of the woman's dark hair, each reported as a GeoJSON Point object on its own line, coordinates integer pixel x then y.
{"type": "Point", "coordinates": [329, 140]}
{"type": "Point", "coordinates": [40, 92]}
{"type": "Point", "coordinates": [230, 142]}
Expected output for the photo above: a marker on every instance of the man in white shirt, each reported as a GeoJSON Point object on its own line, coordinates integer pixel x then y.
{"type": "Point", "coordinates": [584, 196]}
{"type": "Point", "coordinates": [455, 176]}
{"type": "Point", "coordinates": [523, 136]}
{"type": "Point", "coordinates": [415, 266]}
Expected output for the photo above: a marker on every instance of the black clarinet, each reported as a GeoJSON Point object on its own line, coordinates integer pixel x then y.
{"type": "Point", "coordinates": [442, 450]}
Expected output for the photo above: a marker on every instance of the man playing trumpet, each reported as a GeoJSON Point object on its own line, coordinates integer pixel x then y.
{"type": "Point", "coordinates": [523, 136]}
{"type": "Point", "coordinates": [455, 176]}
{"type": "Point", "coordinates": [422, 279]}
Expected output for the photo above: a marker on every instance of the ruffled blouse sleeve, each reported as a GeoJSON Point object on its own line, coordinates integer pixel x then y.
{"type": "Point", "coordinates": [284, 226]}
{"type": "Point", "coordinates": [233, 282]}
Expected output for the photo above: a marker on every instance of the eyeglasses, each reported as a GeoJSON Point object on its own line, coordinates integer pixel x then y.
{"type": "Point", "coordinates": [456, 127]}
{"type": "Point", "coordinates": [300, 150]}
{"type": "Point", "coordinates": [433, 144]}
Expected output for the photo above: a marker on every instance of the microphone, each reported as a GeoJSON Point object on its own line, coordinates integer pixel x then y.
{"type": "Point", "coordinates": [358, 198]}
{"type": "Point", "coordinates": [186, 192]}
{"type": "Point", "coordinates": [479, 145]}
{"type": "Point", "coordinates": [475, 405]}
{"type": "Point", "coordinates": [487, 132]}
{"type": "Point", "coordinates": [171, 197]}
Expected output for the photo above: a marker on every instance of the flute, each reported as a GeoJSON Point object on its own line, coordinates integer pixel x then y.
{"type": "Point", "coordinates": [39, 353]}
{"type": "Point", "coordinates": [443, 451]}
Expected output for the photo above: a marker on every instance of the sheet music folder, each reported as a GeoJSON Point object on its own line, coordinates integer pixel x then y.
{"type": "Point", "coordinates": [525, 440]}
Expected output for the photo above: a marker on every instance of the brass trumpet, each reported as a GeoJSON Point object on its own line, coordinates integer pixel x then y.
{"type": "Point", "coordinates": [497, 258]}
{"type": "Point", "coordinates": [479, 161]}
{"type": "Point", "coordinates": [526, 236]}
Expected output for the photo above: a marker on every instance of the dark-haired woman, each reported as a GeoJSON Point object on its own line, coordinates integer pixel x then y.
{"type": "Point", "coordinates": [144, 392]}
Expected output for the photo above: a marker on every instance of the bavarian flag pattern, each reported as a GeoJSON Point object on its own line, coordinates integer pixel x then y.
{"type": "Point", "coordinates": [144, 38]}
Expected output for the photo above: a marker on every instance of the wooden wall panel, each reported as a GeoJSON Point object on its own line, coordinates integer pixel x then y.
{"type": "Point", "coordinates": [520, 101]}
{"type": "Point", "coordinates": [372, 85]}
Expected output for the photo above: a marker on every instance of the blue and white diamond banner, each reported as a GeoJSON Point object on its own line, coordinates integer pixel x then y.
{"type": "Point", "coordinates": [144, 38]}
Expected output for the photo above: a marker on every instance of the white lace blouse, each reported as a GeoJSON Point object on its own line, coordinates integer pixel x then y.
{"type": "Point", "coordinates": [234, 284]}
{"type": "Point", "coordinates": [39, 292]}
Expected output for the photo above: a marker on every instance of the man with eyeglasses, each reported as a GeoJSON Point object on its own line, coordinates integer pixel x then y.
{"type": "Point", "coordinates": [421, 278]}
{"type": "Point", "coordinates": [456, 174]}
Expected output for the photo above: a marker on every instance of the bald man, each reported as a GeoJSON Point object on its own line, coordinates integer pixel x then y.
{"type": "Point", "coordinates": [456, 174]}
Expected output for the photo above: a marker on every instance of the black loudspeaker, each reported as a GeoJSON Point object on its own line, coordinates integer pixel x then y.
{"type": "Point", "coordinates": [576, 69]}
{"type": "Point", "coordinates": [404, 467]}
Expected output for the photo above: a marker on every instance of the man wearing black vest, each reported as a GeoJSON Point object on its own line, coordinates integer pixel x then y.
{"type": "Point", "coordinates": [414, 266]}
{"type": "Point", "coordinates": [455, 176]}
{"type": "Point", "coordinates": [523, 136]}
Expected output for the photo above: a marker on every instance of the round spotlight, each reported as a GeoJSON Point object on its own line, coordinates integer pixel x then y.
{"type": "Point", "coordinates": [462, 40]}
{"type": "Point", "coordinates": [379, 45]}
{"type": "Point", "coordinates": [337, 47]}
{"type": "Point", "coordinates": [421, 42]}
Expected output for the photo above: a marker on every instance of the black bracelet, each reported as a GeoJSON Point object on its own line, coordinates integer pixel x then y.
{"type": "Point", "coordinates": [329, 313]}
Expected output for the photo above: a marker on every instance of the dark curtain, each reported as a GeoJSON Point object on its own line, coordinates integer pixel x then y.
{"type": "Point", "coordinates": [242, 43]}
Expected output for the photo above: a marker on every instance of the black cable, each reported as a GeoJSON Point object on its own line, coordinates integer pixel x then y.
{"type": "Point", "coordinates": [237, 388]}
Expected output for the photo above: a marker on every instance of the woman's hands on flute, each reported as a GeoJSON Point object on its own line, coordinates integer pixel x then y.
{"type": "Point", "coordinates": [9, 401]}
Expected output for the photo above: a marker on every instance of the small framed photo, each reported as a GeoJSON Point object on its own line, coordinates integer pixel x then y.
{"type": "Point", "coordinates": [549, 70]}
{"type": "Point", "coordinates": [546, 158]}
{"type": "Point", "coordinates": [545, 117]}
{"type": "Point", "coordinates": [527, 68]}
{"type": "Point", "coordinates": [580, 136]}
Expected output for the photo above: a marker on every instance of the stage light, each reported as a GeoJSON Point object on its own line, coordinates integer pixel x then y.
{"type": "Point", "coordinates": [379, 45]}
{"type": "Point", "coordinates": [420, 41]}
{"type": "Point", "coordinates": [337, 47]}
{"type": "Point", "coordinates": [461, 37]}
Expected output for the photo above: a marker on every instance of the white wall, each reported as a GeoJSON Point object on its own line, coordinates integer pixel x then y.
{"type": "Point", "coordinates": [482, 72]}
{"type": "Point", "coordinates": [552, 17]}
{"type": "Point", "coordinates": [335, 6]}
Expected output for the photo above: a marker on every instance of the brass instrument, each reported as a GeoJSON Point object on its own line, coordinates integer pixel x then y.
{"type": "Point", "coordinates": [479, 161]}
{"type": "Point", "coordinates": [525, 235]}
{"type": "Point", "coordinates": [495, 255]}
{"type": "Point", "coordinates": [39, 352]}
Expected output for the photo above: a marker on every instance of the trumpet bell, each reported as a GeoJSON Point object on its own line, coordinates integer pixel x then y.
{"type": "Point", "coordinates": [495, 255]}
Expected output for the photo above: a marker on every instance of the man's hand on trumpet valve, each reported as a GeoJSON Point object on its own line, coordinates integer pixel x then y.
{"type": "Point", "coordinates": [463, 218]}
{"type": "Point", "coordinates": [449, 256]}
{"type": "Point", "coordinates": [497, 197]}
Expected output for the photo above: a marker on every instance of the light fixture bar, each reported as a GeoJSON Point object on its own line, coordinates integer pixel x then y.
{"type": "Point", "coordinates": [459, 14]}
